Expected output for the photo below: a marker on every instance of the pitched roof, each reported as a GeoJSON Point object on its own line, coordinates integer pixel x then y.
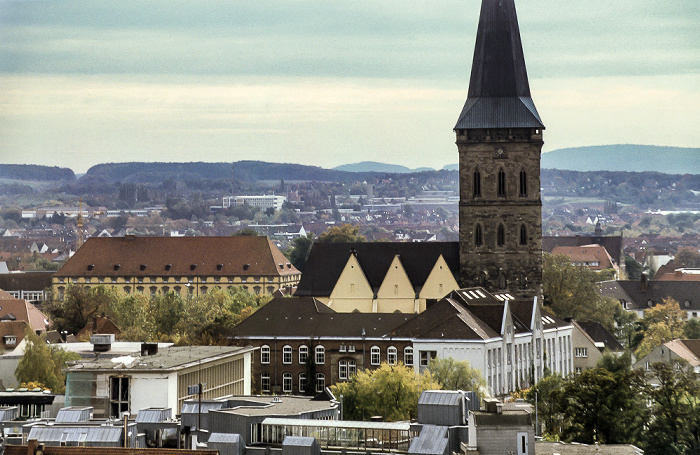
{"type": "Point", "coordinates": [12, 328]}
{"type": "Point", "coordinates": [327, 260]}
{"type": "Point", "coordinates": [587, 254]}
{"type": "Point", "coordinates": [638, 294]}
{"type": "Point", "coordinates": [611, 243]}
{"type": "Point", "coordinates": [175, 256]}
{"type": "Point", "coordinates": [600, 334]}
{"type": "Point", "coordinates": [23, 310]}
{"type": "Point", "coordinates": [686, 349]}
{"type": "Point", "coordinates": [307, 317]}
{"type": "Point", "coordinates": [499, 92]}
{"type": "Point", "coordinates": [26, 281]}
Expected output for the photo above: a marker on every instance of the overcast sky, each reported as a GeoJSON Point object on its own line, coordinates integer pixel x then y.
{"type": "Point", "coordinates": [326, 83]}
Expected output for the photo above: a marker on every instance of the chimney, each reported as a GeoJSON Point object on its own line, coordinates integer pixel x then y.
{"type": "Point", "coordinates": [102, 342]}
{"type": "Point", "coordinates": [32, 445]}
{"type": "Point", "coordinates": [643, 283]}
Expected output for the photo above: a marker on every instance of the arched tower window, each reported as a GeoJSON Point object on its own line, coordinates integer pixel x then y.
{"type": "Point", "coordinates": [523, 183]}
{"type": "Point", "coordinates": [500, 235]}
{"type": "Point", "coordinates": [478, 235]}
{"type": "Point", "coordinates": [523, 235]}
{"type": "Point", "coordinates": [501, 183]}
{"type": "Point", "coordinates": [477, 184]}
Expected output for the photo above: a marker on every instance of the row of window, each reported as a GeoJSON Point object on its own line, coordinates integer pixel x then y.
{"type": "Point", "coordinates": [320, 383]}
{"type": "Point", "coordinates": [500, 185]}
{"type": "Point", "coordinates": [320, 354]}
{"type": "Point", "coordinates": [500, 235]}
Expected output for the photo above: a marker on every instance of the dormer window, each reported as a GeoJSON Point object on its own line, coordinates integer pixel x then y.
{"type": "Point", "coordinates": [142, 267]}
{"type": "Point", "coordinates": [90, 267]}
{"type": "Point", "coordinates": [193, 266]}
{"type": "Point", "coordinates": [687, 303]}
{"type": "Point", "coordinates": [289, 265]}
{"type": "Point", "coordinates": [10, 340]}
{"type": "Point", "coordinates": [116, 266]}
{"type": "Point", "coordinates": [168, 267]}
{"type": "Point", "coordinates": [281, 266]}
{"type": "Point", "coordinates": [219, 266]}
{"type": "Point", "coordinates": [246, 266]}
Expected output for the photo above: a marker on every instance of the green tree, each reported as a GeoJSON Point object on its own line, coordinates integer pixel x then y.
{"type": "Point", "coordinates": [572, 291]}
{"type": "Point", "coordinates": [452, 374]}
{"type": "Point", "coordinates": [391, 391]}
{"type": "Point", "coordinates": [80, 306]}
{"type": "Point", "coordinates": [663, 323]}
{"type": "Point", "coordinates": [603, 406]}
{"type": "Point", "coordinates": [548, 394]}
{"type": "Point", "coordinates": [43, 363]}
{"type": "Point", "coordinates": [342, 233]}
{"type": "Point", "coordinates": [247, 231]}
{"type": "Point", "coordinates": [691, 329]}
{"type": "Point", "coordinates": [675, 398]}
{"type": "Point", "coordinates": [300, 251]}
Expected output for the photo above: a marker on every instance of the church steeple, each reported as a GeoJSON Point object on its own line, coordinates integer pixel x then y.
{"type": "Point", "coordinates": [499, 140]}
{"type": "Point", "coordinates": [499, 92]}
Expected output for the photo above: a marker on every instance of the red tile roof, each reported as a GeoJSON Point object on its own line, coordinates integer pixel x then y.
{"type": "Point", "coordinates": [177, 256]}
{"type": "Point", "coordinates": [23, 310]}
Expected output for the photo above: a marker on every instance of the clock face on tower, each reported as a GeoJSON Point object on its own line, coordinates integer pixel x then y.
{"type": "Point", "coordinates": [499, 152]}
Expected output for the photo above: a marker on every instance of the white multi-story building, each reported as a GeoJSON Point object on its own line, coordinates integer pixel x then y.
{"type": "Point", "coordinates": [264, 202]}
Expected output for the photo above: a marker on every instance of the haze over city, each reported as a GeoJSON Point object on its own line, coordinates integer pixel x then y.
{"type": "Point", "coordinates": [326, 83]}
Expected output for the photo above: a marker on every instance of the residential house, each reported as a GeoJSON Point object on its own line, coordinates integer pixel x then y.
{"type": "Point", "coordinates": [594, 257]}
{"type": "Point", "coordinates": [189, 266]}
{"type": "Point", "coordinates": [612, 244]}
{"type": "Point", "coordinates": [590, 342]}
{"type": "Point", "coordinates": [99, 325]}
{"type": "Point", "coordinates": [677, 352]}
{"type": "Point", "coordinates": [32, 286]}
{"type": "Point", "coordinates": [158, 378]}
{"type": "Point", "coordinates": [639, 295]}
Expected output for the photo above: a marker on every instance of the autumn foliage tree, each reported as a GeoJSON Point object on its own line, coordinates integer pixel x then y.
{"type": "Point", "coordinates": [391, 391]}
{"type": "Point", "coordinates": [42, 363]}
{"type": "Point", "coordinates": [453, 374]}
{"type": "Point", "coordinates": [663, 323]}
{"type": "Point", "coordinates": [342, 233]}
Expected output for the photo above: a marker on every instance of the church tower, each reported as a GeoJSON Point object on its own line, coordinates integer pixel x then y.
{"type": "Point", "coordinates": [499, 140]}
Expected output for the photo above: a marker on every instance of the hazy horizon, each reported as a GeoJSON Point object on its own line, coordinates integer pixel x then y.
{"type": "Point", "coordinates": [326, 84]}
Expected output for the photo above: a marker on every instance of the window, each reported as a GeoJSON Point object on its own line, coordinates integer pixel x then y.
{"type": "Point", "coordinates": [352, 368]}
{"type": "Point", "coordinates": [303, 354]}
{"type": "Point", "coordinates": [302, 382]}
{"type": "Point", "coordinates": [351, 348]}
{"type": "Point", "coordinates": [478, 235]}
{"type": "Point", "coordinates": [501, 235]}
{"type": "Point", "coordinates": [265, 382]}
{"type": "Point", "coordinates": [265, 354]}
{"type": "Point", "coordinates": [426, 357]}
{"type": "Point", "coordinates": [343, 369]}
{"type": "Point", "coordinates": [408, 356]}
{"type": "Point", "coordinates": [375, 355]}
{"type": "Point", "coordinates": [10, 340]}
{"type": "Point", "coordinates": [523, 183]}
{"type": "Point", "coordinates": [287, 382]}
{"type": "Point", "coordinates": [342, 348]}
{"type": "Point", "coordinates": [501, 183]}
{"type": "Point", "coordinates": [578, 370]}
{"type": "Point", "coordinates": [581, 352]}
{"type": "Point", "coordinates": [391, 356]}
{"type": "Point", "coordinates": [320, 355]}
{"type": "Point", "coordinates": [320, 382]}
{"type": "Point", "coordinates": [523, 235]}
{"type": "Point", "coordinates": [118, 396]}
{"type": "Point", "coordinates": [287, 354]}
{"type": "Point", "coordinates": [477, 184]}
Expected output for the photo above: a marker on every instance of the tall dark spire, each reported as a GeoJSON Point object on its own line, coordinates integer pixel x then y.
{"type": "Point", "coordinates": [499, 92]}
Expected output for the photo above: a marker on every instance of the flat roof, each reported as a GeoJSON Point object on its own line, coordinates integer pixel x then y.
{"type": "Point", "coordinates": [399, 426]}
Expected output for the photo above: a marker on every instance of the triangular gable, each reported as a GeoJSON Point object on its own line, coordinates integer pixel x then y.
{"type": "Point", "coordinates": [396, 283]}
{"type": "Point", "coordinates": [352, 282]}
{"type": "Point", "coordinates": [440, 275]}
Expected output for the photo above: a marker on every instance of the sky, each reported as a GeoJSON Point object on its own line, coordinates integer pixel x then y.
{"type": "Point", "coordinates": [326, 83]}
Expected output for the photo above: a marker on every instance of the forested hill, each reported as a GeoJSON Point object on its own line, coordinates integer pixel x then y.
{"type": "Point", "coordinates": [241, 170]}
{"type": "Point", "coordinates": [35, 172]}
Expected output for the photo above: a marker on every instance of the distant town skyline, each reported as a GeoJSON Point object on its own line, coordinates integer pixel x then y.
{"type": "Point", "coordinates": [326, 83]}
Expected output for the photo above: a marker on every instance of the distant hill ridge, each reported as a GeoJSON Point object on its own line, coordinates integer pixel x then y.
{"type": "Point", "coordinates": [35, 172]}
{"type": "Point", "coordinates": [373, 166]}
{"type": "Point", "coordinates": [626, 158]}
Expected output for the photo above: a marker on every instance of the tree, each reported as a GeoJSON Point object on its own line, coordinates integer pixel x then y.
{"type": "Point", "coordinates": [663, 323]}
{"type": "Point", "coordinates": [300, 251]}
{"type": "Point", "coordinates": [247, 232]}
{"type": "Point", "coordinates": [391, 391]}
{"type": "Point", "coordinates": [343, 233]}
{"type": "Point", "coordinates": [602, 406]}
{"type": "Point", "coordinates": [691, 329]}
{"type": "Point", "coordinates": [675, 428]}
{"type": "Point", "coordinates": [572, 292]}
{"type": "Point", "coordinates": [548, 394]}
{"type": "Point", "coordinates": [452, 374]}
{"type": "Point", "coordinates": [43, 363]}
{"type": "Point", "coordinates": [79, 307]}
